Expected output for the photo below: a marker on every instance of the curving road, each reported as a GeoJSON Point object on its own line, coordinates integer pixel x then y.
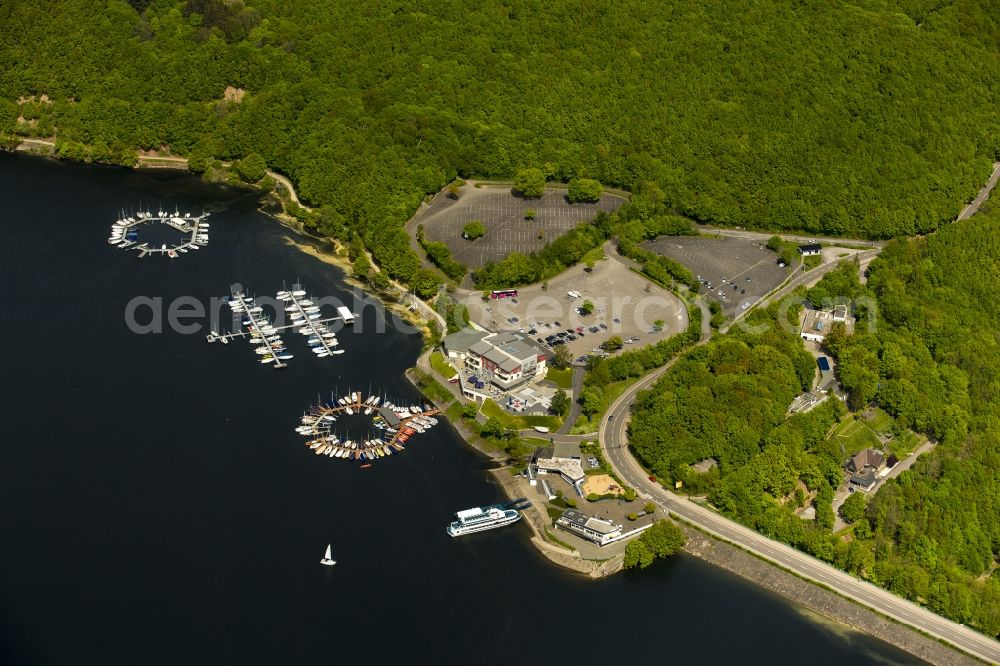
{"type": "Point", "coordinates": [983, 195]}
{"type": "Point", "coordinates": [614, 444]}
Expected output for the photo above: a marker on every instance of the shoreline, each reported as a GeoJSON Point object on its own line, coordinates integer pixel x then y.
{"type": "Point", "coordinates": [817, 599]}
{"type": "Point", "coordinates": [821, 603]}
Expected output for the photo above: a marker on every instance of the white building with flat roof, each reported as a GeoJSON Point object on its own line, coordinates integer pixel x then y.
{"type": "Point", "coordinates": [816, 323]}
{"type": "Point", "coordinates": [601, 532]}
{"type": "Point", "coordinates": [506, 359]}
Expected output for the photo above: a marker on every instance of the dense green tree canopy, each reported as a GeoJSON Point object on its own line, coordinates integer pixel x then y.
{"type": "Point", "coordinates": [529, 183]}
{"type": "Point", "coordinates": [867, 117]}
{"type": "Point", "coordinates": [926, 348]}
{"type": "Point", "coordinates": [663, 539]}
{"type": "Point", "coordinates": [584, 190]}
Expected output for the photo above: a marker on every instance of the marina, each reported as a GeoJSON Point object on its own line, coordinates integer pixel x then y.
{"type": "Point", "coordinates": [394, 424]}
{"type": "Point", "coordinates": [306, 319]}
{"type": "Point", "coordinates": [125, 232]}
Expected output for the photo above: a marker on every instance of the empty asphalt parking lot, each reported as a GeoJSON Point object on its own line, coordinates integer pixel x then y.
{"type": "Point", "coordinates": [503, 215]}
{"type": "Point", "coordinates": [725, 263]}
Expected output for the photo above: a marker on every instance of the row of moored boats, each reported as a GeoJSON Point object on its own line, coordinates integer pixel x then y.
{"type": "Point", "coordinates": [305, 317]}
{"type": "Point", "coordinates": [318, 426]}
{"type": "Point", "coordinates": [125, 235]}
{"type": "Point", "coordinates": [269, 345]}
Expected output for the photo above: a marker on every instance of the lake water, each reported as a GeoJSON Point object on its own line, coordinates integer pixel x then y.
{"type": "Point", "coordinates": [157, 507]}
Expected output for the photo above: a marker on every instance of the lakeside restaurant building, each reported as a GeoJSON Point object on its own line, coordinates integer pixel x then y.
{"type": "Point", "coordinates": [596, 530]}
{"type": "Point", "coordinates": [506, 359]}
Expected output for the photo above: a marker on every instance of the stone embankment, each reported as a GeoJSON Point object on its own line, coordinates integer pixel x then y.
{"type": "Point", "coordinates": [821, 600]}
{"type": "Point", "coordinates": [571, 559]}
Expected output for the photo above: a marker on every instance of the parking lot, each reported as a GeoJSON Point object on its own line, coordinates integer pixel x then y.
{"type": "Point", "coordinates": [503, 215]}
{"type": "Point", "coordinates": [734, 272]}
{"type": "Point", "coordinates": [625, 304]}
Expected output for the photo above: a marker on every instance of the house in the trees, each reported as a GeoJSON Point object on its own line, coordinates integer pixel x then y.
{"type": "Point", "coordinates": [865, 467]}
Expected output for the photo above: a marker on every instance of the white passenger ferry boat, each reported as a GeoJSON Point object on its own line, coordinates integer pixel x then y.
{"type": "Point", "coordinates": [482, 518]}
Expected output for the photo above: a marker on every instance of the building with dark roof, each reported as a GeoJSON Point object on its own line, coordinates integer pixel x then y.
{"type": "Point", "coordinates": [599, 531]}
{"type": "Point", "coordinates": [865, 480]}
{"type": "Point", "coordinates": [810, 249]}
{"type": "Point", "coordinates": [865, 467]}
{"type": "Point", "coordinates": [456, 346]}
{"type": "Point", "coordinates": [862, 460]}
{"type": "Point", "coordinates": [506, 359]}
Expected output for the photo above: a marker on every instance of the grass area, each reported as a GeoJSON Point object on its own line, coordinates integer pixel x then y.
{"type": "Point", "coordinates": [535, 442]}
{"type": "Point", "coordinates": [491, 409]}
{"type": "Point", "coordinates": [906, 444]}
{"type": "Point", "coordinates": [454, 412]}
{"type": "Point", "coordinates": [554, 512]}
{"type": "Point", "coordinates": [441, 366]}
{"type": "Point", "coordinates": [880, 421]}
{"type": "Point", "coordinates": [855, 433]}
{"type": "Point", "coordinates": [594, 255]}
{"type": "Point", "coordinates": [811, 262]}
{"type": "Point", "coordinates": [611, 393]}
{"type": "Point", "coordinates": [431, 387]}
{"type": "Point", "coordinates": [561, 378]}
{"type": "Point", "coordinates": [552, 537]}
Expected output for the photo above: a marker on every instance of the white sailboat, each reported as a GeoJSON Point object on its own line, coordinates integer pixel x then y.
{"type": "Point", "coordinates": [328, 558]}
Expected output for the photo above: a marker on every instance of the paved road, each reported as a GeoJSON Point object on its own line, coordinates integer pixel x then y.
{"type": "Point", "coordinates": [614, 444]}
{"type": "Point", "coordinates": [574, 408]}
{"type": "Point", "coordinates": [764, 236]}
{"type": "Point", "coordinates": [808, 278]}
{"type": "Point", "coordinates": [983, 195]}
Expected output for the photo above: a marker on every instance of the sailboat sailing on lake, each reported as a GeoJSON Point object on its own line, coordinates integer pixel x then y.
{"type": "Point", "coordinates": [328, 557]}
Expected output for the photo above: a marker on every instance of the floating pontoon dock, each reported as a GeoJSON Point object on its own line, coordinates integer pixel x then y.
{"type": "Point", "coordinates": [397, 424]}
{"type": "Point", "coordinates": [124, 232]}
{"type": "Point", "coordinates": [258, 325]}
{"type": "Point", "coordinates": [306, 320]}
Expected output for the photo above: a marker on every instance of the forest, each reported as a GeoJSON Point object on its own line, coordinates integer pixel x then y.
{"type": "Point", "coordinates": [926, 349]}
{"type": "Point", "coordinates": [871, 118]}
{"type": "Point", "coordinates": [933, 361]}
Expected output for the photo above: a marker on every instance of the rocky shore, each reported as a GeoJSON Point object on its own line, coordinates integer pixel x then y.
{"type": "Point", "coordinates": [825, 602]}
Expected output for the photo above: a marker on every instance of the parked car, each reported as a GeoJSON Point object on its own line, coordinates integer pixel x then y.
{"type": "Point", "coordinates": [604, 326]}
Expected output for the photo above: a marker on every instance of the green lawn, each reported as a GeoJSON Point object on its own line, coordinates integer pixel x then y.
{"type": "Point", "coordinates": [856, 433]}
{"type": "Point", "coordinates": [535, 442]}
{"type": "Point", "coordinates": [509, 420]}
{"type": "Point", "coordinates": [561, 378]}
{"type": "Point", "coordinates": [431, 387]}
{"type": "Point", "coordinates": [441, 366]}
